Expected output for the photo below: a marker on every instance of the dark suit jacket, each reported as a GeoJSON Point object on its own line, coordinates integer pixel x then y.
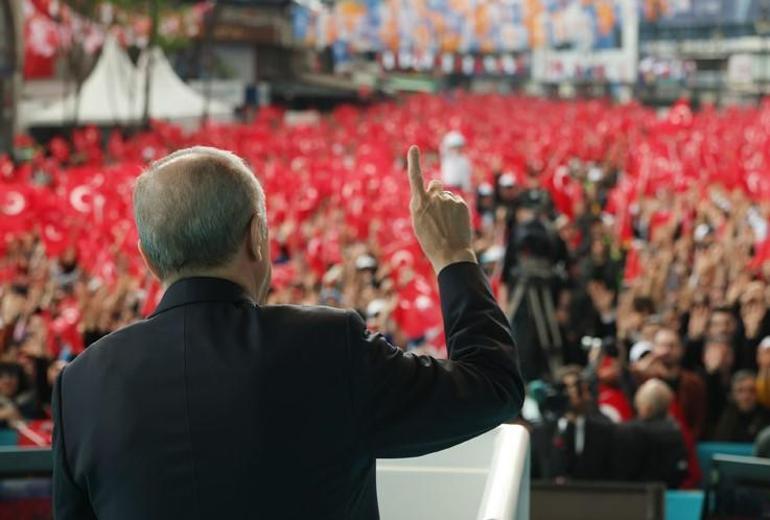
{"type": "Point", "coordinates": [215, 407]}
{"type": "Point", "coordinates": [650, 451]}
{"type": "Point", "coordinates": [555, 454]}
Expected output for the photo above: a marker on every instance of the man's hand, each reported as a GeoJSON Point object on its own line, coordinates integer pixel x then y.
{"type": "Point", "coordinates": [699, 318]}
{"type": "Point", "coordinates": [440, 218]}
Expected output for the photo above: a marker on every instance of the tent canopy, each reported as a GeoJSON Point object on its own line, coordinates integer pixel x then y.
{"type": "Point", "coordinates": [170, 97]}
{"type": "Point", "coordinates": [114, 94]}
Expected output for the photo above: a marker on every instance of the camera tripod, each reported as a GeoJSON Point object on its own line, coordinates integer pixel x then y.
{"type": "Point", "coordinates": [532, 302]}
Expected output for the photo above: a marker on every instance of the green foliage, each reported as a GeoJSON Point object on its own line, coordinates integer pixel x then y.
{"type": "Point", "coordinates": [155, 9]}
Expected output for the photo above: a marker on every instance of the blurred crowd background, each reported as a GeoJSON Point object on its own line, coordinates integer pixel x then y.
{"type": "Point", "coordinates": [624, 247]}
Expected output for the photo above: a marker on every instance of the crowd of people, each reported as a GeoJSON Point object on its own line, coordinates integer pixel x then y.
{"type": "Point", "coordinates": [630, 250]}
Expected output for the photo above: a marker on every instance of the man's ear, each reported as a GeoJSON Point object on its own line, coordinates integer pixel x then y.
{"type": "Point", "coordinates": [255, 238]}
{"type": "Point", "coordinates": [146, 261]}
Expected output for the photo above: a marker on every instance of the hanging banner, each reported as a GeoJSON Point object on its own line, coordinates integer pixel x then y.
{"type": "Point", "coordinates": [419, 27]}
{"type": "Point", "coordinates": [573, 37]}
{"type": "Point", "coordinates": [587, 40]}
{"type": "Point", "coordinates": [700, 13]}
{"type": "Point", "coordinates": [515, 65]}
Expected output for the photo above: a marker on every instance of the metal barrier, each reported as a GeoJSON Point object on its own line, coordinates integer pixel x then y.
{"type": "Point", "coordinates": [24, 462]}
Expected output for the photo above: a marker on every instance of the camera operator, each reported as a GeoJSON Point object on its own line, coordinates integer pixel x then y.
{"type": "Point", "coordinates": [573, 440]}
{"type": "Point", "coordinates": [534, 267]}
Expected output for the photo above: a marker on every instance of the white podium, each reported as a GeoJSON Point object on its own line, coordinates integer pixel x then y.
{"type": "Point", "coordinates": [486, 478]}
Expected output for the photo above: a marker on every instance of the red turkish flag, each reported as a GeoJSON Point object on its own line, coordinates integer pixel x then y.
{"type": "Point", "coordinates": [55, 237]}
{"type": "Point", "coordinates": [418, 310]}
{"type": "Point", "coordinates": [16, 210]}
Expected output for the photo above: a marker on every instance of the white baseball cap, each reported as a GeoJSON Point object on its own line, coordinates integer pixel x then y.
{"type": "Point", "coordinates": [639, 350]}
{"type": "Point", "coordinates": [507, 180]}
{"type": "Point", "coordinates": [375, 307]}
{"type": "Point", "coordinates": [486, 189]}
{"type": "Point", "coordinates": [453, 139]}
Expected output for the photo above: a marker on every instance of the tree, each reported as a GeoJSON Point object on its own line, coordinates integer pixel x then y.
{"type": "Point", "coordinates": [9, 73]}
{"type": "Point", "coordinates": [151, 8]}
{"type": "Point", "coordinates": [76, 57]}
{"type": "Point", "coordinates": [154, 8]}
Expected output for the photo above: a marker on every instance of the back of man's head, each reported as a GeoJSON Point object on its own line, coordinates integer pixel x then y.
{"type": "Point", "coordinates": [193, 209]}
{"type": "Point", "coordinates": [653, 399]}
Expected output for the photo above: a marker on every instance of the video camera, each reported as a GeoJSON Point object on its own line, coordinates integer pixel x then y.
{"type": "Point", "coordinates": [551, 398]}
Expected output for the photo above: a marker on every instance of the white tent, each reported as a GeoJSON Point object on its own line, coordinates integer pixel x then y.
{"type": "Point", "coordinates": [114, 94]}
{"type": "Point", "coordinates": [170, 97]}
{"type": "Point", "coordinates": [107, 96]}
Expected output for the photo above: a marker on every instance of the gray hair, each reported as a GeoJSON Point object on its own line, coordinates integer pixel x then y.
{"type": "Point", "coordinates": [657, 396]}
{"type": "Point", "coordinates": [193, 207]}
{"type": "Point", "coordinates": [742, 375]}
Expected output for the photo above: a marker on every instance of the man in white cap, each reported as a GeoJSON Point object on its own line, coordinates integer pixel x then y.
{"type": "Point", "coordinates": [456, 170]}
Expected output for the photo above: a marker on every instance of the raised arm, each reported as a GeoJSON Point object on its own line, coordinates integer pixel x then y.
{"type": "Point", "coordinates": [408, 405]}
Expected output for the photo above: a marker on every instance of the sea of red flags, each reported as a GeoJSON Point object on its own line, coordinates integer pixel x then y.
{"type": "Point", "coordinates": [343, 178]}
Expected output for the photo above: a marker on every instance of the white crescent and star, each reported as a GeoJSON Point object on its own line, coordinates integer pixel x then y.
{"type": "Point", "coordinates": [14, 204]}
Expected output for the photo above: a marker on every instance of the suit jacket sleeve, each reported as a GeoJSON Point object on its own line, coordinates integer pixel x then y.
{"type": "Point", "coordinates": [408, 405]}
{"type": "Point", "coordinates": [69, 500]}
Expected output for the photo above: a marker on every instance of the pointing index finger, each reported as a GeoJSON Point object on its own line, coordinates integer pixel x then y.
{"type": "Point", "coordinates": [415, 172]}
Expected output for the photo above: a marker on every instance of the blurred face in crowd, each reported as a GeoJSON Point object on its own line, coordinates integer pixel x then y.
{"type": "Point", "coordinates": [486, 200]}
{"type": "Point", "coordinates": [36, 327]}
{"type": "Point", "coordinates": [508, 193]}
{"type": "Point", "coordinates": [609, 371]}
{"type": "Point", "coordinates": [744, 393]}
{"type": "Point", "coordinates": [68, 259]}
{"type": "Point", "coordinates": [598, 249]}
{"type": "Point", "coordinates": [717, 295]}
{"type": "Point", "coordinates": [649, 329]}
{"type": "Point", "coordinates": [9, 383]}
{"type": "Point", "coordinates": [532, 180]}
{"type": "Point", "coordinates": [577, 392]}
{"type": "Point", "coordinates": [721, 323]}
{"type": "Point", "coordinates": [667, 348]}
{"type": "Point", "coordinates": [524, 214]}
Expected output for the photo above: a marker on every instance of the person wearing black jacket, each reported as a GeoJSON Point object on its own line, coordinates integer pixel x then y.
{"type": "Point", "coordinates": [218, 406]}
{"type": "Point", "coordinates": [576, 444]}
{"type": "Point", "coordinates": [743, 418]}
{"type": "Point", "coordinates": [650, 448]}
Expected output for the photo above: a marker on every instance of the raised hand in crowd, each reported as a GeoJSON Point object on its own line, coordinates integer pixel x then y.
{"type": "Point", "coordinates": [753, 308]}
